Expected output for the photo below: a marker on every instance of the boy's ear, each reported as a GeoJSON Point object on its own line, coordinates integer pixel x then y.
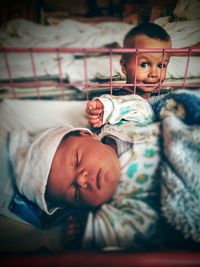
{"type": "Point", "coordinates": [123, 66]}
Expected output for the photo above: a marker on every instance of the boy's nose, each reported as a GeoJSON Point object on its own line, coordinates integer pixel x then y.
{"type": "Point", "coordinates": [81, 179]}
{"type": "Point", "coordinates": [153, 72]}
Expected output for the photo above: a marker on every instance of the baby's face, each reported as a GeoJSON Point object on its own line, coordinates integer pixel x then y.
{"type": "Point", "coordinates": [84, 171]}
{"type": "Point", "coordinates": [149, 65]}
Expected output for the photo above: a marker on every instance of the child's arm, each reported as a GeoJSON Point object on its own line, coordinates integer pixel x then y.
{"type": "Point", "coordinates": [99, 109]}
{"type": "Point", "coordinates": [94, 111]}
{"type": "Point", "coordinates": [75, 227]}
{"type": "Point", "coordinates": [113, 109]}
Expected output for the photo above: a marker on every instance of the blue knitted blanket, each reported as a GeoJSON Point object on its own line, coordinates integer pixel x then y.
{"type": "Point", "coordinates": [180, 166]}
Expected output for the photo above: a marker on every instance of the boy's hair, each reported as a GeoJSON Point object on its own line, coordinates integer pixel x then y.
{"type": "Point", "coordinates": [151, 30]}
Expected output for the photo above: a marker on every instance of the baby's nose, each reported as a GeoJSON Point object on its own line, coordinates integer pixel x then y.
{"type": "Point", "coordinates": [81, 179]}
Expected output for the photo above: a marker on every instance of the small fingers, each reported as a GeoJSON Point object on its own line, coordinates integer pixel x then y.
{"type": "Point", "coordinates": [73, 231]}
{"type": "Point", "coordinates": [94, 117]}
{"type": "Point", "coordinates": [95, 121]}
{"type": "Point", "coordinates": [94, 104]}
{"type": "Point", "coordinates": [94, 111]}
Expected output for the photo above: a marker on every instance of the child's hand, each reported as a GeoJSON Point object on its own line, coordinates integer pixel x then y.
{"type": "Point", "coordinates": [94, 110]}
{"type": "Point", "coordinates": [75, 228]}
{"type": "Point", "coordinates": [73, 238]}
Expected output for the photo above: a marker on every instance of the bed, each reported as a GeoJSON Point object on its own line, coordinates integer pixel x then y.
{"type": "Point", "coordinates": [52, 89]}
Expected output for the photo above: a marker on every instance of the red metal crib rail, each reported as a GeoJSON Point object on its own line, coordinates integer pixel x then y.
{"type": "Point", "coordinates": [86, 84]}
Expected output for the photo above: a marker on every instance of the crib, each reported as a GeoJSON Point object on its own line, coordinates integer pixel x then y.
{"type": "Point", "coordinates": [55, 89]}
{"type": "Point", "coordinates": [53, 107]}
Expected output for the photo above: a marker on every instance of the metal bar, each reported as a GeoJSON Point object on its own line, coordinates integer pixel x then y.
{"type": "Point", "coordinates": [60, 71]}
{"type": "Point", "coordinates": [186, 69]}
{"type": "Point", "coordinates": [96, 50]}
{"type": "Point", "coordinates": [111, 83]}
{"type": "Point", "coordinates": [135, 78]}
{"type": "Point", "coordinates": [86, 74]}
{"type": "Point", "coordinates": [91, 84]}
{"type": "Point", "coordinates": [34, 73]}
{"type": "Point", "coordinates": [11, 84]}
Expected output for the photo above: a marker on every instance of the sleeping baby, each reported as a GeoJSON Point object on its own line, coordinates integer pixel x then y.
{"type": "Point", "coordinates": [112, 175]}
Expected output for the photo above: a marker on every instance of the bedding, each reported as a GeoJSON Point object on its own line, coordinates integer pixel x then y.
{"type": "Point", "coordinates": [68, 33]}
{"type": "Point", "coordinates": [180, 132]}
{"type": "Point", "coordinates": [178, 175]}
{"type": "Point", "coordinates": [180, 168]}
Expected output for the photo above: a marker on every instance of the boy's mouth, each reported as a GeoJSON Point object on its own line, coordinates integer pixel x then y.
{"type": "Point", "coordinates": [155, 83]}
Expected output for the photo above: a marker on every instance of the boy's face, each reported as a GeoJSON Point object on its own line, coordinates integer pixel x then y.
{"type": "Point", "coordinates": [149, 65]}
{"type": "Point", "coordinates": [84, 171]}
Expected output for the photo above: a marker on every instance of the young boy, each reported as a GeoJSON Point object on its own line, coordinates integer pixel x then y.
{"type": "Point", "coordinates": [151, 67]}
{"type": "Point", "coordinates": [147, 70]}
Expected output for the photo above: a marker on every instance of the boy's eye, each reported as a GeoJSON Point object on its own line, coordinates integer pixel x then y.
{"type": "Point", "coordinates": [144, 64]}
{"type": "Point", "coordinates": [160, 66]}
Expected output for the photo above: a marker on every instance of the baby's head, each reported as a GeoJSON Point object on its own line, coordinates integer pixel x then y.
{"type": "Point", "coordinates": [84, 171]}
{"type": "Point", "coordinates": [149, 65]}
{"type": "Point", "coordinates": [64, 166]}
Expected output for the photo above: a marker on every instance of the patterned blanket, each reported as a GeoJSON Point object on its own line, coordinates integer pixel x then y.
{"type": "Point", "coordinates": [180, 167]}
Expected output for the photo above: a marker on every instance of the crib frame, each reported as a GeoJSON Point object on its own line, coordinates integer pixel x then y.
{"type": "Point", "coordinates": [61, 85]}
{"type": "Point", "coordinates": [153, 259]}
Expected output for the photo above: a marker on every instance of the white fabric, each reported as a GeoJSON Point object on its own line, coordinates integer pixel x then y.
{"type": "Point", "coordinates": [33, 116]}
{"type": "Point", "coordinates": [69, 33]}
{"type": "Point", "coordinates": [183, 33]}
{"type": "Point", "coordinates": [32, 161]}
{"type": "Point", "coordinates": [187, 9]}
{"type": "Point", "coordinates": [126, 107]}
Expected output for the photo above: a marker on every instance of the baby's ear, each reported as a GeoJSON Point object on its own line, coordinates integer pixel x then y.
{"type": "Point", "coordinates": [123, 66]}
{"type": "Point", "coordinates": [86, 133]}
